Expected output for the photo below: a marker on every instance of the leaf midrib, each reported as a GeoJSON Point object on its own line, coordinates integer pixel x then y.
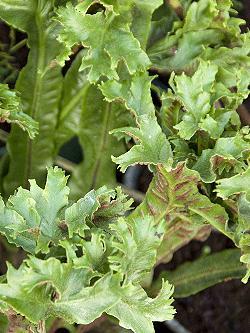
{"type": "Point", "coordinates": [72, 103]}
{"type": "Point", "coordinates": [102, 146]}
{"type": "Point", "coordinates": [37, 90]}
{"type": "Point", "coordinates": [208, 273]}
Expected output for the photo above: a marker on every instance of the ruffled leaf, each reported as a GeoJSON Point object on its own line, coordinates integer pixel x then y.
{"type": "Point", "coordinates": [103, 55]}
{"type": "Point", "coordinates": [97, 208]}
{"type": "Point", "coordinates": [238, 186]}
{"type": "Point", "coordinates": [152, 146]}
{"type": "Point", "coordinates": [227, 156]}
{"type": "Point", "coordinates": [50, 287]}
{"type": "Point", "coordinates": [136, 310]}
{"type": "Point", "coordinates": [206, 25]}
{"type": "Point", "coordinates": [31, 218]}
{"type": "Point", "coordinates": [198, 95]}
{"type": "Point", "coordinates": [11, 111]}
{"type": "Point", "coordinates": [173, 195]}
{"type": "Point", "coordinates": [135, 246]}
{"type": "Point", "coordinates": [235, 185]}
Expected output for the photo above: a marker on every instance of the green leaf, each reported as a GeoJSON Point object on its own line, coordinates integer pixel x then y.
{"type": "Point", "coordinates": [114, 205]}
{"type": "Point", "coordinates": [238, 186]}
{"type": "Point", "coordinates": [196, 95]}
{"type": "Point", "coordinates": [137, 13]}
{"type": "Point", "coordinates": [92, 123]}
{"type": "Point", "coordinates": [234, 185]}
{"type": "Point", "coordinates": [50, 287]}
{"type": "Point", "coordinates": [233, 62]}
{"type": "Point", "coordinates": [14, 227]}
{"type": "Point", "coordinates": [192, 277]}
{"type": "Point", "coordinates": [173, 195]}
{"type": "Point", "coordinates": [39, 84]}
{"type": "Point", "coordinates": [162, 23]}
{"type": "Point", "coordinates": [75, 88]}
{"type": "Point", "coordinates": [136, 247]}
{"type": "Point", "coordinates": [207, 24]}
{"type": "Point", "coordinates": [34, 219]}
{"type": "Point", "coordinates": [92, 301]}
{"type": "Point", "coordinates": [134, 92]}
{"type": "Point", "coordinates": [95, 254]}
{"type": "Point", "coordinates": [11, 111]}
{"type": "Point", "coordinates": [228, 155]}
{"type": "Point", "coordinates": [3, 323]}
{"type": "Point", "coordinates": [136, 310]}
{"type": "Point", "coordinates": [142, 13]}
{"type": "Point", "coordinates": [169, 115]}
{"type": "Point", "coordinates": [104, 257]}
{"type": "Point", "coordinates": [245, 258]}
{"type": "Point", "coordinates": [30, 218]}
{"type": "Point", "coordinates": [97, 118]}
{"type": "Point", "coordinates": [99, 208]}
{"type": "Point", "coordinates": [152, 146]}
{"type": "Point", "coordinates": [18, 13]}
{"type": "Point", "coordinates": [103, 55]}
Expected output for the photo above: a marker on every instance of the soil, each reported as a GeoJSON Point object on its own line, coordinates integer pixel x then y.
{"type": "Point", "coordinates": [223, 308]}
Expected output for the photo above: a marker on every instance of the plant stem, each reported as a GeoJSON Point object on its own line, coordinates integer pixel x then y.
{"type": "Point", "coordinates": [65, 164]}
{"type": "Point", "coordinates": [18, 46]}
{"type": "Point", "coordinates": [175, 326]}
{"type": "Point", "coordinates": [136, 195]}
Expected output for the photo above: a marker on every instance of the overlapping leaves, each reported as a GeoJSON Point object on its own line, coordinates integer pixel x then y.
{"type": "Point", "coordinates": [106, 258]}
{"type": "Point", "coordinates": [237, 188]}
{"type": "Point", "coordinates": [206, 26]}
{"type": "Point", "coordinates": [51, 288]}
{"type": "Point", "coordinates": [208, 105]}
{"type": "Point", "coordinates": [174, 196]}
{"type": "Point", "coordinates": [137, 242]}
{"type": "Point", "coordinates": [228, 157]}
{"type": "Point", "coordinates": [136, 13]}
{"type": "Point", "coordinates": [34, 218]}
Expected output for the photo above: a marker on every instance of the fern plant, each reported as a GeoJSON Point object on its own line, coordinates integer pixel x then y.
{"type": "Point", "coordinates": [90, 73]}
